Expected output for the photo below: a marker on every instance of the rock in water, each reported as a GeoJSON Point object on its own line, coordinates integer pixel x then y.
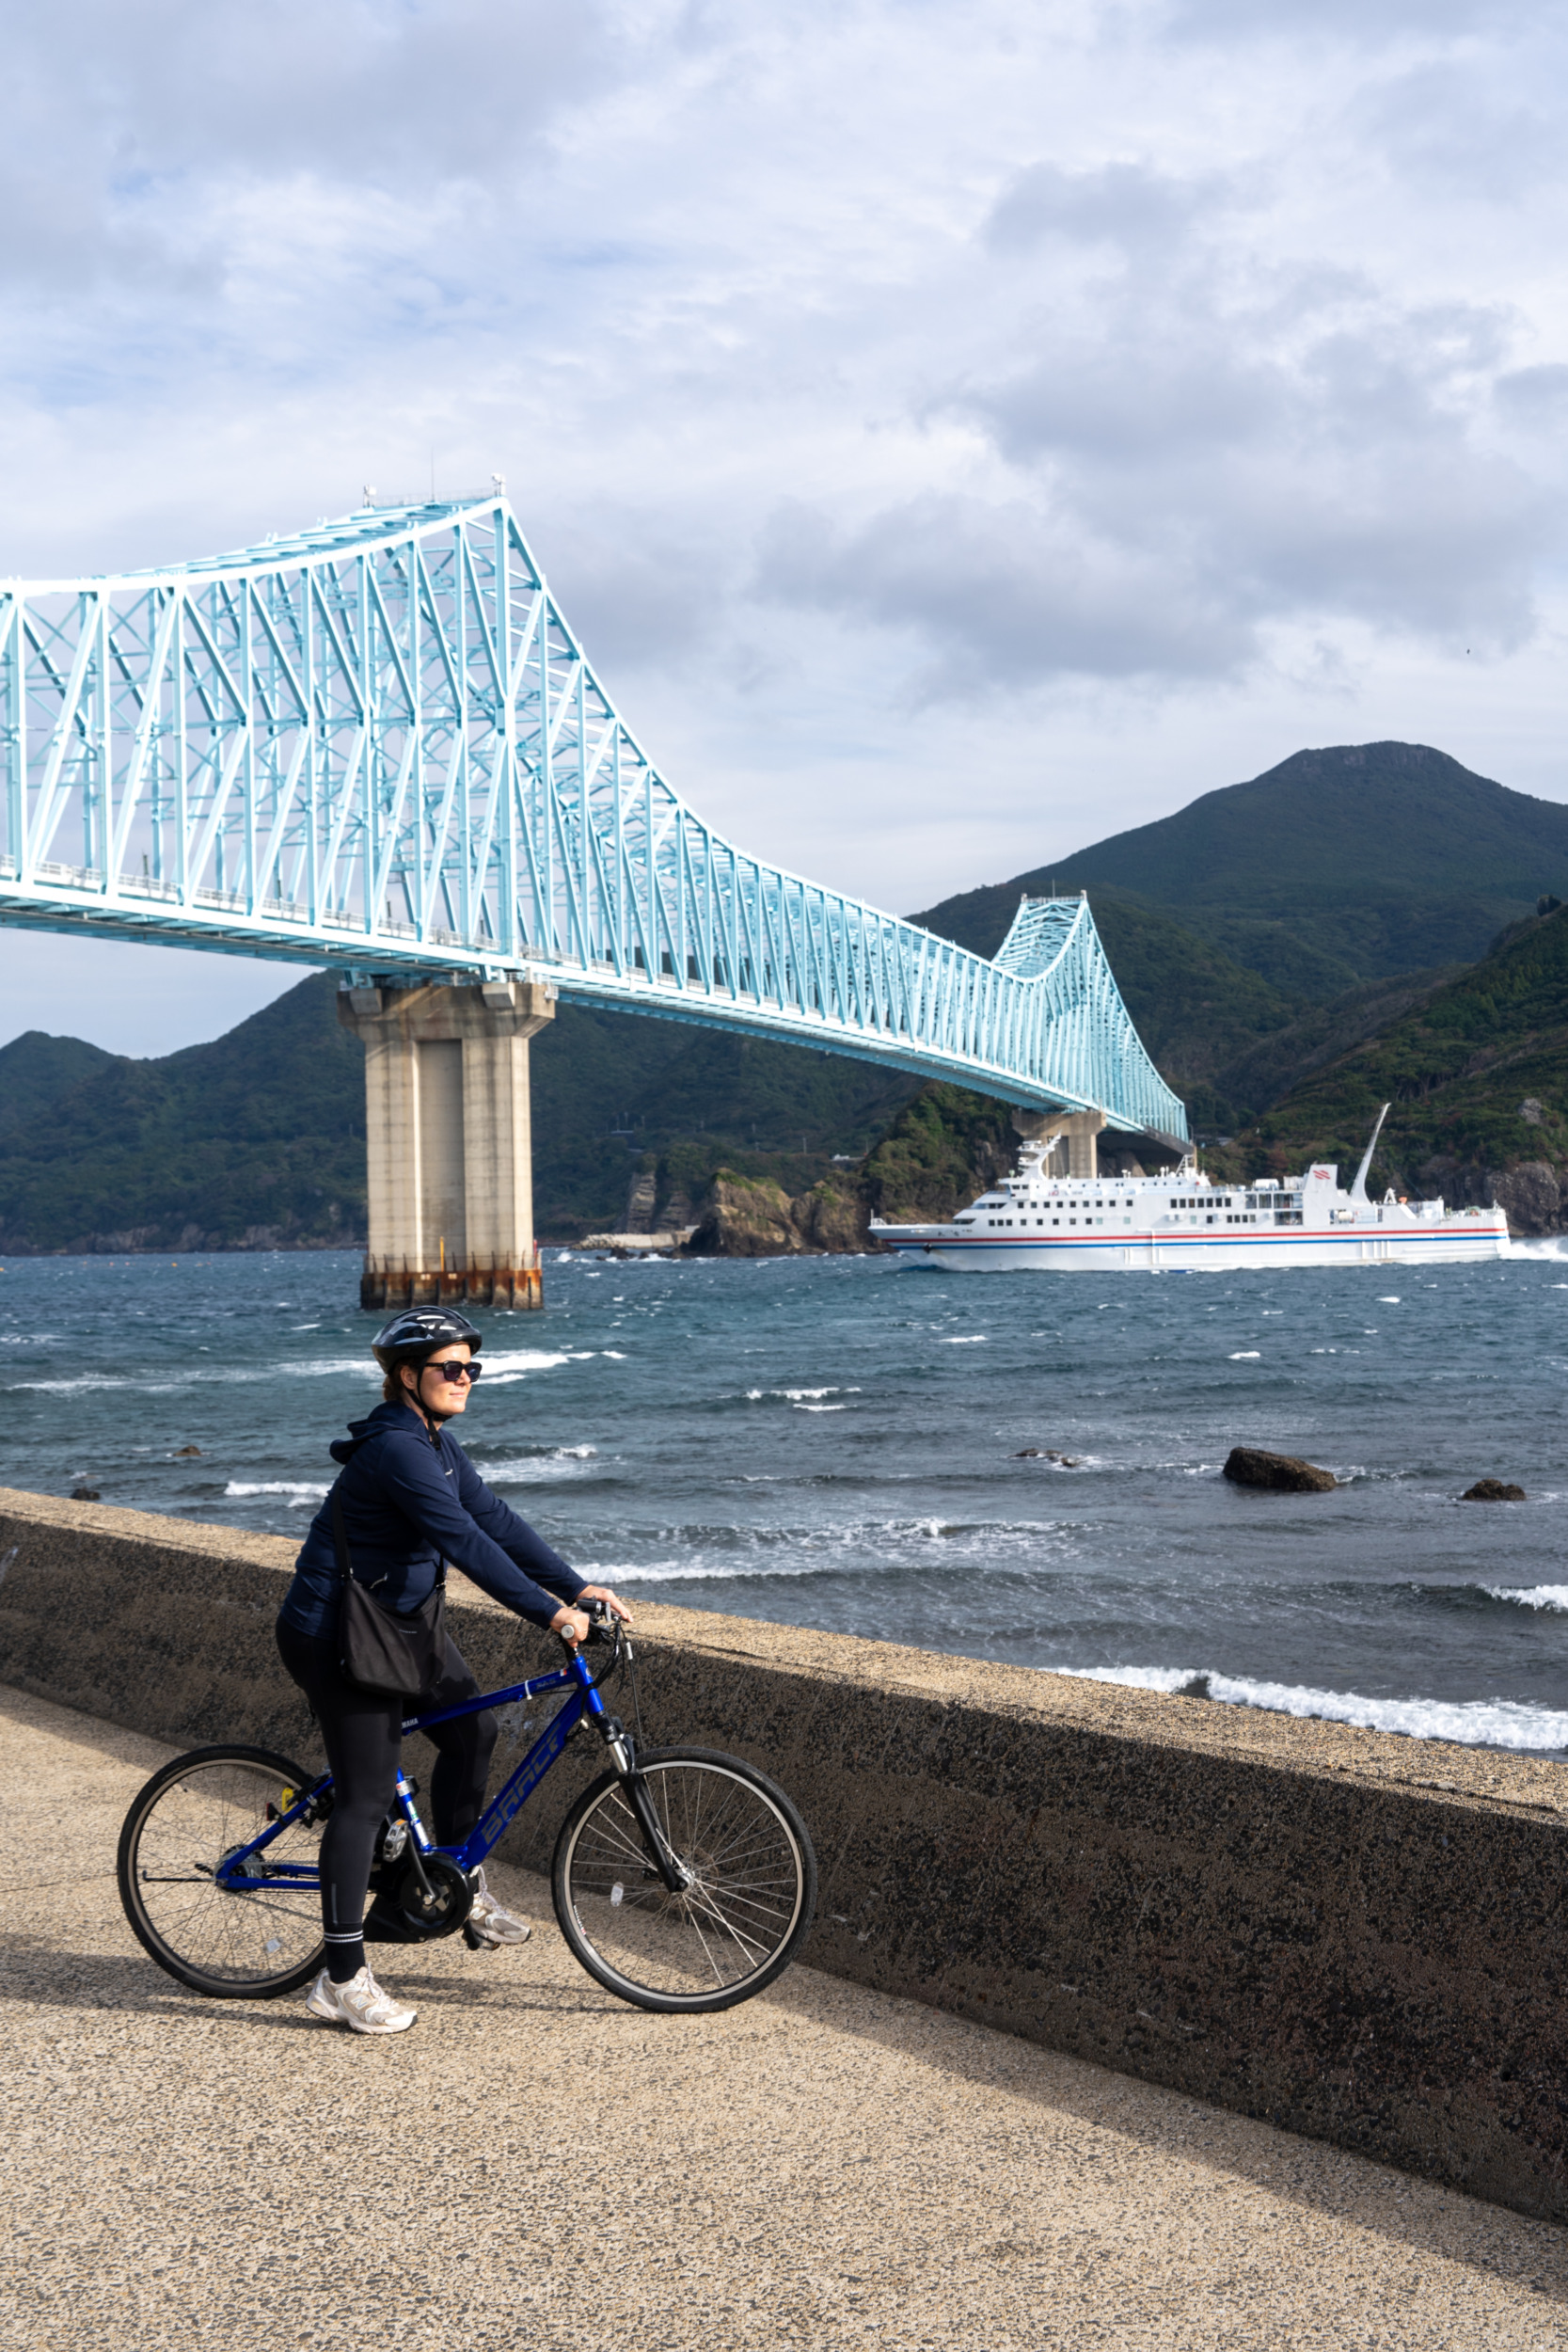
{"type": "Point", "coordinates": [85, 1494]}
{"type": "Point", "coordinates": [1492, 1490]}
{"type": "Point", "coordinates": [747, 1216]}
{"type": "Point", "coordinates": [1282, 1473]}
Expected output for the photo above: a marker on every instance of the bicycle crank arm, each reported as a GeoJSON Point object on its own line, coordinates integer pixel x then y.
{"type": "Point", "coordinates": [676, 1876]}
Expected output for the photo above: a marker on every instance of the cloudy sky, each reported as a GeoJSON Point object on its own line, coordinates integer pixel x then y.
{"type": "Point", "coordinates": [957, 432]}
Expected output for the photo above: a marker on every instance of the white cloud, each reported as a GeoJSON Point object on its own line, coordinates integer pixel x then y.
{"type": "Point", "coordinates": [957, 432]}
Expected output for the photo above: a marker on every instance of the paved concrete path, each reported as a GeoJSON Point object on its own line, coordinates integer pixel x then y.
{"type": "Point", "coordinates": [537, 2166]}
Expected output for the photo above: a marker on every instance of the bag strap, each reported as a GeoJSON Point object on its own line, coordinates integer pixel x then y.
{"type": "Point", "coordinates": [340, 1544]}
{"type": "Point", "coordinates": [340, 1536]}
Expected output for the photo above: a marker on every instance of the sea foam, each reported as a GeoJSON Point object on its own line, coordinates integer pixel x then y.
{"type": "Point", "coordinates": [1472, 1723]}
{"type": "Point", "coordinates": [299, 1493]}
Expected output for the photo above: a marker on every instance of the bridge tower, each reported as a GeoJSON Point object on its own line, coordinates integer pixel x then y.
{"type": "Point", "coordinates": [377, 745]}
{"type": "Point", "coordinates": [449, 1142]}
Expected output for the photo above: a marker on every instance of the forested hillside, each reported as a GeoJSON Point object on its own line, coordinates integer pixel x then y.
{"type": "Point", "coordinates": [1288, 948]}
{"type": "Point", "coordinates": [1339, 865]}
{"type": "Point", "coordinates": [256, 1141]}
{"type": "Point", "coordinates": [1477, 1074]}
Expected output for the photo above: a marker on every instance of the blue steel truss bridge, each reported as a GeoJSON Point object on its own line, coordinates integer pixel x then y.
{"type": "Point", "coordinates": [378, 746]}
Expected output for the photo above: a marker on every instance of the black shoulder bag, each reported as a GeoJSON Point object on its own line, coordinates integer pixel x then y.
{"type": "Point", "coordinates": [378, 1650]}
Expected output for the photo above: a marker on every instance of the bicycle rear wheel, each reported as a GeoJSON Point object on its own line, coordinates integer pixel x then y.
{"type": "Point", "coordinates": [235, 1945]}
{"type": "Point", "coordinates": [735, 1929]}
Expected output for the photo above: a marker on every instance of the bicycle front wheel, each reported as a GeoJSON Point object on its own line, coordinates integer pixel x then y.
{"type": "Point", "coordinates": [737, 1925]}
{"type": "Point", "coordinates": [234, 1945]}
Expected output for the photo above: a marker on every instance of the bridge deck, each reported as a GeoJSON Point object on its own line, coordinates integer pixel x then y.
{"type": "Point", "coordinates": [824, 2167]}
{"type": "Point", "coordinates": [379, 745]}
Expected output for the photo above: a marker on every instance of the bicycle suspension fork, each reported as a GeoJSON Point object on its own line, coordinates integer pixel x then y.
{"type": "Point", "coordinates": [622, 1748]}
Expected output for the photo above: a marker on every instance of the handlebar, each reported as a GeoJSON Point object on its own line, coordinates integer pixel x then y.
{"type": "Point", "coordinates": [603, 1626]}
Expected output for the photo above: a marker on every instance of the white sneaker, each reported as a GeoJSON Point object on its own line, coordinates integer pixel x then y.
{"type": "Point", "coordinates": [360, 2005]}
{"type": "Point", "coordinates": [488, 1921]}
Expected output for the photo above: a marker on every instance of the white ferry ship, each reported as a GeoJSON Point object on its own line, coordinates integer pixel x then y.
{"type": "Point", "coordinates": [1038, 1221]}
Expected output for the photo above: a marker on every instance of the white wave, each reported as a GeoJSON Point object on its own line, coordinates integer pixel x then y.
{"type": "Point", "coordinates": [616, 1355]}
{"type": "Point", "coordinates": [1387, 1302]}
{"type": "Point", "coordinates": [502, 1371]}
{"type": "Point", "coordinates": [1472, 1723]}
{"type": "Point", "coordinates": [304, 1326]}
{"type": "Point", "coordinates": [145, 1387]}
{"type": "Point", "coordinates": [298, 1492]}
{"type": "Point", "coordinates": [666, 1572]}
{"type": "Point", "coordinates": [529, 1468]}
{"type": "Point", "coordinates": [802, 1399]}
{"type": "Point", "coordinates": [525, 1359]}
{"type": "Point", "coordinates": [975, 1338]}
{"type": "Point", "coordinates": [1246, 1356]}
{"type": "Point", "coordinates": [1554, 1596]}
{"type": "Point", "coordinates": [821, 1408]}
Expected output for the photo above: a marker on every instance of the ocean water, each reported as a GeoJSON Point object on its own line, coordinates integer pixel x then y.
{"type": "Point", "coordinates": [841, 1443]}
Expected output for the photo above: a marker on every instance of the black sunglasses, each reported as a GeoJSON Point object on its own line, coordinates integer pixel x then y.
{"type": "Point", "coordinates": [454, 1369]}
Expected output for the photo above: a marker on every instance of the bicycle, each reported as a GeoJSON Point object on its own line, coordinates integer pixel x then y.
{"type": "Point", "coordinates": [683, 1880]}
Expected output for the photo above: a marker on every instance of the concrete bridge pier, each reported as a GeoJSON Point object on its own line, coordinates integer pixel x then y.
{"type": "Point", "coordinates": [1080, 1130]}
{"type": "Point", "coordinates": [449, 1142]}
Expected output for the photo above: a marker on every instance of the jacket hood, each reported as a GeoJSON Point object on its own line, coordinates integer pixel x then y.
{"type": "Point", "coordinates": [385, 1417]}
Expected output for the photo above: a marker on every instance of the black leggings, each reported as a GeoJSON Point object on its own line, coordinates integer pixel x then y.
{"type": "Point", "coordinates": [363, 1736]}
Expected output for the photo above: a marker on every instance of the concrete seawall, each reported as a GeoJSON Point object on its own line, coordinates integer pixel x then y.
{"type": "Point", "coordinates": [1352, 1935]}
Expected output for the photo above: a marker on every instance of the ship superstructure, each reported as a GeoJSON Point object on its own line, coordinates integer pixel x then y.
{"type": "Point", "coordinates": [1038, 1220]}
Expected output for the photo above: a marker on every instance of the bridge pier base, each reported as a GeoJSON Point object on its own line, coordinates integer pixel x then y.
{"type": "Point", "coordinates": [1081, 1130]}
{"type": "Point", "coordinates": [449, 1142]}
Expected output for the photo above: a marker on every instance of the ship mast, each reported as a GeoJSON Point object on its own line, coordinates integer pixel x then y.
{"type": "Point", "coordinates": [1359, 1190]}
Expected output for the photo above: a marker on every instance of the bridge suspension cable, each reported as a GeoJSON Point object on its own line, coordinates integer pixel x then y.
{"type": "Point", "coordinates": [377, 745]}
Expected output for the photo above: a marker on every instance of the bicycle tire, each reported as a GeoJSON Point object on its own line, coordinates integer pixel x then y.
{"type": "Point", "coordinates": [180, 1824]}
{"type": "Point", "coordinates": [721, 1941]}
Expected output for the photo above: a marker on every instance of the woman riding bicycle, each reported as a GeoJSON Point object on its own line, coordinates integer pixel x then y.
{"type": "Point", "coordinates": [410, 1499]}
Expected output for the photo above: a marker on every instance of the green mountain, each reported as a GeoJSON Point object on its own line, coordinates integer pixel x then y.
{"type": "Point", "coordinates": [1275, 942]}
{"type": "Point", "coordinates": [1197, 1010]}
{"type": "Point", "coordinates": [256, 1140]}
{"type": "Point", "coordinates": [1337, 867]}
{"type": "Point", "coordinates": [1477, 1074]}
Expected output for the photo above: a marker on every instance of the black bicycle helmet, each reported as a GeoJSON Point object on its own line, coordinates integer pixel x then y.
{"type": "Point", "coordinates": [411, 1335]}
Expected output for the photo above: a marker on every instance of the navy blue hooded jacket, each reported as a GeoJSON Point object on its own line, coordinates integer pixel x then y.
{"type": "Point", "coordinates": [408, 1505]}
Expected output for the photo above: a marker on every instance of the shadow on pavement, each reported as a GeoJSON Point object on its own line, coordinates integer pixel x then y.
{"type": "Point", "coordinates": [1315, 2174]}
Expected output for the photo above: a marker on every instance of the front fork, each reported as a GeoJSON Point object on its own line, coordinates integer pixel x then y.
{"type": "Point", "coordinates": [623, 1755]}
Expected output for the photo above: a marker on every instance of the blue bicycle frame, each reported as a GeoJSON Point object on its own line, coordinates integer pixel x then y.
{"type": "Point", "coordinates": [582, 1699]}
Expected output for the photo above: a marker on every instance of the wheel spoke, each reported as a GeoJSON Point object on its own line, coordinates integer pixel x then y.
{"type": "Point", "coordinates": [210, 1933]}
{"type": "Point", "coordinates": [729, 1928]}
